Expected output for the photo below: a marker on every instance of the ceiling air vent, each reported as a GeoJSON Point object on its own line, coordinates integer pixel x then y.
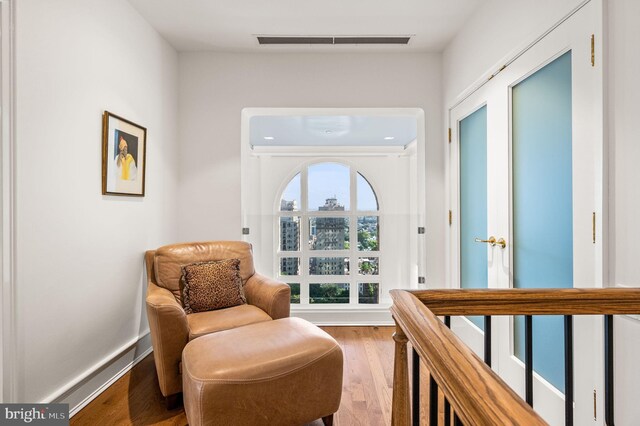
{"type": "Point", "coordinates": [295, 40]}
{"type": "Point", "coordinates": [371, 40]}
{"type": "Point", "coordinates": [333, 40]}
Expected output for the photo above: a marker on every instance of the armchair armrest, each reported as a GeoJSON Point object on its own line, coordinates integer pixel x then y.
{"type": "Point", "coordinates": [169, 336]}
{"type": "Point", "coordinates": [270, 295]}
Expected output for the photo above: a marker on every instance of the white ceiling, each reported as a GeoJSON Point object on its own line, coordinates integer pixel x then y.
{"type": "Point", "coordinates": [231, 25]}
{"type": "Point", "coordinates": [332, 130]}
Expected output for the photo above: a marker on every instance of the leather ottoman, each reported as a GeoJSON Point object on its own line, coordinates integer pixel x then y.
{"type": "Point", "coordinates": [284, 372]}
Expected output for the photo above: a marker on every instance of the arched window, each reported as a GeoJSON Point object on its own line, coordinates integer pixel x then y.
{"type": "Point", "coordinates": [328, 226]}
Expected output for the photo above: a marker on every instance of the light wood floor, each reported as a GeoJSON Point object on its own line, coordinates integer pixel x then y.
{"type": "Point", "coordinates": [135, 399]}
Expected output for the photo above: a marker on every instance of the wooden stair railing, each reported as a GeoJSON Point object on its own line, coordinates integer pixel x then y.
{"type": "Point", "coordinates": [476, 393]}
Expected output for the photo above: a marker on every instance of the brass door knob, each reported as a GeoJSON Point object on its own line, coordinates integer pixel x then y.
{"type": "Point", "coordinates": [501, 242]}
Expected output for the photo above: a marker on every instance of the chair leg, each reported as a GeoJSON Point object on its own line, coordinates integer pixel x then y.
{"type": "Point", "coordinates": [173, 401]}
{"type": "Point", "coordinates": [328, 420]}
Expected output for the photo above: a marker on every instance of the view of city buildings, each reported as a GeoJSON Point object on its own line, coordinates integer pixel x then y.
{"type": "Point", "coordinates": [289, 239]}
{"type": "Point", "coordinates": [327, 232]}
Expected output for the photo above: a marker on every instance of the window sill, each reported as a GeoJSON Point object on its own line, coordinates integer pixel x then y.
{"type": "Point", "coordinates": [347, 314]}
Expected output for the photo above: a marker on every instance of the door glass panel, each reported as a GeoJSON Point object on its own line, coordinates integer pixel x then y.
{"type": "Point", "coordinates": [473, 203]}
{"type": "Point", "coordinates": [542, 204]}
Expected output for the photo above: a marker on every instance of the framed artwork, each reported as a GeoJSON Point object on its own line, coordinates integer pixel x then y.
{"type": "Point", "coordinates": [124, 145]}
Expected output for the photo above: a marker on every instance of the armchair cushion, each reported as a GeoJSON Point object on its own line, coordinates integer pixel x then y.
{"type": "Point", "coordinates": [224, 319]}
{"type": "Point", "coordinates": [207, 286]}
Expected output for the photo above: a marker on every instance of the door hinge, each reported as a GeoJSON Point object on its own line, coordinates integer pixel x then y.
{"type": "Point", "coordinates": [595, 405]}
{"type": "Point", "coordinates": [449, 134]}
{"type": "Point", "coordinates": [593, 50]}
{"type": "Point", "coordinates": [450, 217]}
{"type": "Point", "coordinates": [593, 227]}
{"type": "Point", "coordinates": [421, 230]}
{"type": "Point", "coordinates": [421, 280]}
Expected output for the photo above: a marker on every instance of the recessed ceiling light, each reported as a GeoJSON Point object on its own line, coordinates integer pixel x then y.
{"type": "Point", "coordinates": [269, 138]}
{"type": "Point", "coordinates": [389, 138]}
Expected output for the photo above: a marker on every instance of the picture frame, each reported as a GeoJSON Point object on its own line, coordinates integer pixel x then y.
{"type": "Point", "coordinates": [124, 149]}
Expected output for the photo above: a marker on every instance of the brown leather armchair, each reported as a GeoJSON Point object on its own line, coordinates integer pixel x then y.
{"type": "Point", "coordinates": [171, 328]}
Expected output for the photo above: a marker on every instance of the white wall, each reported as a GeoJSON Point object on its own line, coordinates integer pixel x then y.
{"type": "Point", "coordinates": [80, 254]}
{"type": "Point", "coordinates": [214, 87]}
{"type": "Point", "coordinates": [624, 203]}
{"type": "Point", "coordinates": [499, 29]}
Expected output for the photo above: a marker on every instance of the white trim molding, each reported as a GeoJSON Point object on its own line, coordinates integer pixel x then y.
{"type": "Point", "coordinates": [83, 389]}
{"type": "Point", "coordinates": [7, 176]}
{"type": "Point", "coordinates": [378, 315]}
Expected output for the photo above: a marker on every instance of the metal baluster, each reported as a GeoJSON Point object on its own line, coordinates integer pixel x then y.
{"type": "Point", "coordinates": [487, 340]}
{"type": "Point", "coordinates": [528, 358]}
{"type": "Point", "coordinates": [433, 401]}
{"type": "Point", "coordinates": [456, 420]}
{"type": "Point", "coordinates": [415, 400]}
{"type": "Point", "coordinates": [608, 370]}
{"type": "Point", "coordinates": [447, 405]}
{"type": "Point", "coordinates": [568, 370]}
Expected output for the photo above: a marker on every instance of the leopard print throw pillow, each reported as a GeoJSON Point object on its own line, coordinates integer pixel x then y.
{"type": "Point", "coordinates": [211, 285]}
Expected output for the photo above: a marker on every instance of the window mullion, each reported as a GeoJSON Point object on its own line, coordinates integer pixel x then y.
{"type": "Point", "coordinates": [304, 236]}
{"type": "Point", "coordinates": [353, 238]}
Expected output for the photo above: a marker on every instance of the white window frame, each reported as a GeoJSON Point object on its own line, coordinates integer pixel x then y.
{"type": "Point", "coordinates": [257, 206]}
{"type": "Point", "coordinates": [305, 253]}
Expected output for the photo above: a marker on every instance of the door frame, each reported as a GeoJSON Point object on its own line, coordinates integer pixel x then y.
{"type": "Point", "coordinates": [475, 99]}
{"type": "Point", "coordinates": [8, 337]}
{"type": "Point", "coordinates": [602, 222]}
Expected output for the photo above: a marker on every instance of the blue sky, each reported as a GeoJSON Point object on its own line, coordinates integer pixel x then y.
{"type": "Point", "coordinates": [327, 180]}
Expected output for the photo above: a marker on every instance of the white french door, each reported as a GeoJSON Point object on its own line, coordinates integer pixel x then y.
{"type": "Point", "coordinates": [526, 167]}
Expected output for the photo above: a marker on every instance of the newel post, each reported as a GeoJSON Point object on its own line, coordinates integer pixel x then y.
{"type": "Point", "coordinates": [400, 407]}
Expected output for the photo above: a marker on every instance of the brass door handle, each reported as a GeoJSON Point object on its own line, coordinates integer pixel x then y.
{"type": "Point", "coordinates": [491, 241]}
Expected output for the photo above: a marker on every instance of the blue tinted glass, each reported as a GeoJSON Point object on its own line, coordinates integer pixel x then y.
{"type": "Point", "coordinates": [542, 204]}
{"type": "Point", "coordinates": [473, 202]}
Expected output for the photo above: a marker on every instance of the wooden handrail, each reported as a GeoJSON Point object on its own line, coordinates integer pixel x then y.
{"type": "Point", "coordinates": [476, 393]}
{"type": "Point", "coordinates": [603, 301]}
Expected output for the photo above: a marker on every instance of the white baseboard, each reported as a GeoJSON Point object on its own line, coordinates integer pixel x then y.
{"type": "Point", "coordinates": [97, 379]}
{"type": "Point", "coordinates": [356, 316]}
